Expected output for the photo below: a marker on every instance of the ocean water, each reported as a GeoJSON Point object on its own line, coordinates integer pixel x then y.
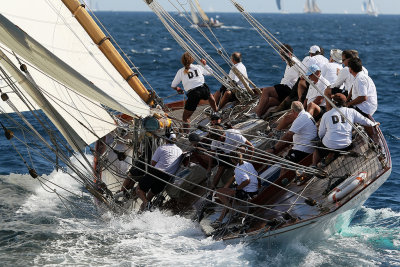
{"type": "Point", "coordinates": [42, 226]}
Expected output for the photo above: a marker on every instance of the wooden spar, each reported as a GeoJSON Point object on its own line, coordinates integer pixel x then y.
{"type": "Point", "coordinates": [107, 48]}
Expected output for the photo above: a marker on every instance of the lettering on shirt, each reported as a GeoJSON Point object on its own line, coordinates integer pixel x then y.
{"type": "Point", "coordinates": [335, 119]}
{"type": "Point", "coordinates": [191, 75]}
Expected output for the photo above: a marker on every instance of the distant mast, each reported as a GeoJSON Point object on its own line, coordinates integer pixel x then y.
{"type": "Point", "coordinates": [311, 7]}
{"type": "Point", "coordinates": [281, 6]}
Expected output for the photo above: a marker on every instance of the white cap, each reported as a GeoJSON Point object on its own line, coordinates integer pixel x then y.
{"type": "Point", "coordinates": [314, 49]}
{"type": "Point", "coordinates": [336, 55]}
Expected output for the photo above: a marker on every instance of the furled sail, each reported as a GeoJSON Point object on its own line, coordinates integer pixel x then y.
{"type": "Point", "coordinates": [52, 25]}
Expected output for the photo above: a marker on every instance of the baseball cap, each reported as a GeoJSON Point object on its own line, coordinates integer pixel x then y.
{"type": "Point", "coordinates": [194, 137]}
{"type": "Point", "coordinates": [170, 136]}
{"type": "Point", "coordinates": [314, 49]}
{"type": "Point", "coordinates": [313, 68]}
{"type": "Point", "coordinates": [336, 55]}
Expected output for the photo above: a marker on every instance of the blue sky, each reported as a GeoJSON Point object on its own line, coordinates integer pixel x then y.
{"type": "Point", "coordinates": [268, 6]}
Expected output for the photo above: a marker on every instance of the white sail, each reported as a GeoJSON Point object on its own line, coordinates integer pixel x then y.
{"type": "Point", "coordinates": [52, 25]}
{"type": "Point", "coordinates": [195, 19]}
{"type": "Point", "coordinates": [370, 8]}
{"type": "Point", "coordinates": [201, 11]}
{"type": "Point", "coordinates": [83, 115]}
{"type": "Point", "coordinates": [307, 7]}
{"type": "Point", "coordinates": [315, 8]}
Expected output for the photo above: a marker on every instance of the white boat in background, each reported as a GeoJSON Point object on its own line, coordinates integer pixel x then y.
{"type": "Point", "coordinates": [369, 8]}
{"type": "Point", "coordinates": [281, 6]}
{"type": "Point", "coordinates": [311, 7]}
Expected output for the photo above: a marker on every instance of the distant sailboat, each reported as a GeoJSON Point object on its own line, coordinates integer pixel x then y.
{"type": "Point", "coordinates": [370, 8]}
{"type": "Point", "coordinates": [280, 6]}
{"type": "Point", "coordinates": [196, 8]}
{"type": "Point", "coordinates": [311, 7]}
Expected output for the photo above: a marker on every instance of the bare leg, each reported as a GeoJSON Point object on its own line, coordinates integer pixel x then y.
{"type": "Point", "coordinates": [313, 109]}
{"type": "Point", "coordinates": [225, 200]}
{"type": "Point", "coordinates": [328, 93]}
{"type": "Point", "coordinates": [272, 102]}
{"type": "Point", "coordinates": [301, 88]}
{"type": "Point", "coordinates": [264, 100]}
{"type": "Point", "coordinates": [213, 105]}
{"type": "Point", "coordinates": [218, 175]}
{"type": "Point", "coordinates": [128, 184]}
{"type": "Point", "coordinates": [217, 97]}
{"type": "Point", "coordinates": [316, 157]}
{"type": "Point", "coordinates": [225, 98]}
{"type": "Point", "coordinates": [142, 195]}
{"type": "Point", "coordinates": [185, 117]}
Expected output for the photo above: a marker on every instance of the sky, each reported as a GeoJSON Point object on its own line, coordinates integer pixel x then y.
{"type": "Point", "coordinates": [264, 6]}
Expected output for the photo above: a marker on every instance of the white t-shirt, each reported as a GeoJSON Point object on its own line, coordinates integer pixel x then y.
{"type": "Point", "coordinates": [312, 93]}
{"type": "Point", "coordinates": [233, 139]}
{"type": "Point", "coordinates": [346, 78]}
{"type": "Point", "coordinates": [192, 79]}
{"type": "Point", "coordinates": [242, 69]}
{"type": "Point", "coordinates": [335, 131]}
{"type": "Point", "coordinates": [364, 86]}
{"type": "Point", "coordinates": [304, 130]}
{"type": "Point", "coordinates": [291, 74]}
{"type": "Point", "coordinates": [331, 71]}
{"type": "Point", "coordinates": [246, 172]}
{"type": "Point", "coordinates": [320, 60]}
{"type": "Point", "coordinates": [167, 157]}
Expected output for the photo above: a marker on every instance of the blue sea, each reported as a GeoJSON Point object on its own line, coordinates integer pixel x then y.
{"type": "Point", "coordinates": [39, 228]}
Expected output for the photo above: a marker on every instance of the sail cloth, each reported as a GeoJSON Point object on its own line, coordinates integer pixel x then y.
{"type": "Point", "coordinates": [51, 24]}
{"type": "Point", "coordinates": [58, 120]}
{"type": "Point", "coordinates": [60, 104]}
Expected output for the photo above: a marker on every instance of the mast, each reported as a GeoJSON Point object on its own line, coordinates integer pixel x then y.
{"type": "Point", "coordinates": [107, 48]}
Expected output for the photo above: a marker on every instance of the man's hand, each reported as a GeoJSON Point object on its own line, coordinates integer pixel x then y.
{"type": "Point", "coordinates": [180, 90]}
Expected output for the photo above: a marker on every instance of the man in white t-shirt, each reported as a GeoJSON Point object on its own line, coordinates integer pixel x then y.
{"type": "Point", "coordinates": [302, 132]}
{"type": "Point", "coordinates": [315, 101]}
{"type": "Point", "coordinates": [165, 161]}
{"type": "Point", "coordinates": [331, 70]}
{"type": "Point", "coordinates": [246, 187]}
{"type": "Point", "coordinates": [223, 95]}
{"type": "Point", "coordinates": [363, 94]}
{"type": "Point", "coordinates": [345, 80]}
{"type": "Point", "coordinates": [273, 96]}
{"type": "Point", "coordinates": [223, 143]}
{"type": "Point", "coordinates": [335, 131]}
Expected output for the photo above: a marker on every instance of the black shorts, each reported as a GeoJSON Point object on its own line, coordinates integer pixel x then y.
{"type": "Point", "coordinates": [195, 95]}
{"type": "Point", "coordinates": [282, 90]}
{"type": "Point", "coordinates": [337, 90]}
{"type": "Point", "coordinates": [324, 151]}
{"type": "Point", "coordinates": [296, 155]}
{"type": "Point", "coordinates": [241, 194]}
{"type": "Point", "coordinates": [294, 95]}
{"type": "Point", "coordinates": [150, 182]}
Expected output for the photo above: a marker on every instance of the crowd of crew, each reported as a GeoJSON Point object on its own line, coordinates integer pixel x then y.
{"type": "Point", "coordinates": [303, 88]}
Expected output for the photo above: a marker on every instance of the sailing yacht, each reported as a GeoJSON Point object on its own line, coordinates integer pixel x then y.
{"type": "Point", "coordinates": [54, 57]}
{"type": "Point", "coordinates": [369, 8]}
{"type": "Point", "coordinates": [281, 6]}
{"type": "Point", "coordinates": [311, 7]}
{"type": "Point", "coordinates": [196, 9]}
